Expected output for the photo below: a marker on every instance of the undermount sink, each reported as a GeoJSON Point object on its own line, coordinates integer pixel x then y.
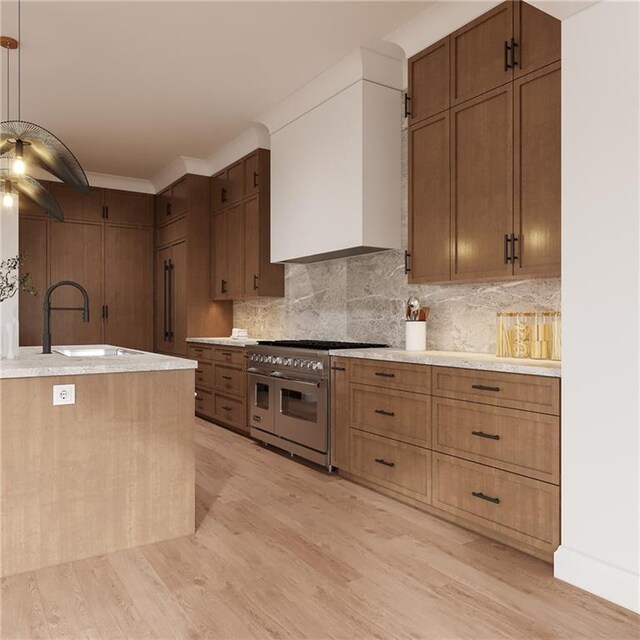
{"type": "Point", "coordinates": [94, 352]}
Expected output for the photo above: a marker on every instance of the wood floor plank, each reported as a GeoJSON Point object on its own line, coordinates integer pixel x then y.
{"type": "Point", "coordinates": [285, 551]}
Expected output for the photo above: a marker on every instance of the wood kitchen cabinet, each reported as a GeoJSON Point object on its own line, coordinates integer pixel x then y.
{"type": "Point", "coordinates": [340, 413]}
{"type": "Point", "coordinates": [241, 241]}
{"type": "Point", "coordinates": [183, 265]}
{"type": "Point", "coordinates": [172, 202]}
{"type": "Point", "coordinates": [488, 207]}
{"type": "Point", "coordinates": [110, 254]}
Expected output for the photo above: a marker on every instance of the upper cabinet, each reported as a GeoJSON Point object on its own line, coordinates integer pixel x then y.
{"type": "Point", "coordinates": [484, 170]}
{"type": "Point", "coordinates": [172, 203]}
{"type": "Point", "coordinates": [240, 242]}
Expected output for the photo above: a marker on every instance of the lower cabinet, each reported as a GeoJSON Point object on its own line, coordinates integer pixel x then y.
{"type": "Point", "coordinates": [221, 384]}
{"type": "Point", "coordinates": [451, 442]}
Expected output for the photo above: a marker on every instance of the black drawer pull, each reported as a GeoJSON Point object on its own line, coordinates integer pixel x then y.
{"type": "Point", "coordinates": [256, 418]}
{"type": "Point", "coordinates": [198, 370]}
{"type": "Point", "coordinates": [383, 374]}
{"type": "Point", "coordinates": [227, 408]}
{"type": "Point", "coordinates": [482, 434]}
{"type": "Point", "coordinates": [385, 463]}
{"type": "Point", "coordinates": [226, 377]}
{"type": "Point", "coordinates": [338, 369]}
{"type": "Point", "coordinates": [226, 353]}
{"type": "Point", "coordinates": [482, 387]}
{"type": "Point", "coordinates": [382, 412]}
{"type": "Point", "coordinates": [482, 496]}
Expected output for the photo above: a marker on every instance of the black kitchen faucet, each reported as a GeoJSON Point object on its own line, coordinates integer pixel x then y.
{"type": "Point", "coordinates": [46, 336]}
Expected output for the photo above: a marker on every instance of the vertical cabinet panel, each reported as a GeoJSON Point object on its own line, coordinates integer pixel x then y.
{"type": "Point", "coordinates": [482, 179]}
{"type": "Point", "coordinates": [129, 287]}
{"type": "Point", "coordinates": [429, 82]}
{"type": "Point", "coordinates": [124, 207]}
{"type": "Point", "coordinates": [235, 252]}
{"type": "Point", "coordinates": [340, 413]}
{"type": "Point", "coordinates": [537, 173]}
{"type": "Point", "coordinates": [33, 245]}
{"type": "Point", "coordinates": [251, 247]}
{"type": "Point", "coordinates": [77, 254]}
{"type": "Point", "coordinates": [480, 60]}
{"type": "Point", "coordinates": [538, 36]}
{"type": "Point", "coordinates": [76, 206]}
{"type": "Point", "coordinates": [219, 242]}
{"type": "Point", "coordinates": [235, 180]}
{"type": "Point", "coordinates": [178, 297]}
{"type": "Point", "coordinates": [218, 191]}
{"type": "Point", "coordinates": [430, 201]}
{"type": "Point", "coordinates": [252, 174]}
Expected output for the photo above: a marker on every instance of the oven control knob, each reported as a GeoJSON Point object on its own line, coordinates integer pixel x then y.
{"type": "Point", "coordinates": [287, 362]}
{"type": "Point", "coordinates": [308, 364]}
{"type": "Point", "coordinates": [317, 366]}
{"type": "Point", "coordinates": [277, 360]}
{"type": "Point", "coordinates": [296, 362]}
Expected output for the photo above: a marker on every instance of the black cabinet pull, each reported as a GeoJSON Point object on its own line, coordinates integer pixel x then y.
{"type": "Point", "coordinates": [514, 44]}
{"type": "Point", "coordinates": [482, 387]}
{"type": "Point", "coordinates": [385, 463]}
{"type": "Point", "coordinates": [255, 179]}
{"type": "Point", "coordinates": [165, 293]}
{"type": "Point", "coordinates": [105, 211]}
{"type": "Point", "coordinates": [226, 353]}
{"type": "Point", "coordinates": [223, 286]}
{"type": "Point", "coordinates": [256, 418]}
{"type": "Point", "coordinates": [223, 195]}
{"type": "Point", "coordinates": [168, 208]}
{"type": "Point", "coordinates": [338, 369]}
{"type": "Point", "coordinates": [227, 408]}
{"type": "Point", "coordinates": [383, 374]}
{"type": "Point", "coordinates": [507, 49]}
{"type": "Point", "coordinates": [198, 370]}
{"type": "Point", "coordinates": [170, 314]}
{"type": "Point", "coordinates": [514, 256]}
{"type": "Point", "coordinates": [255, 282]}
{"type": "Point", "coordinates": [507, 242]}
{"type": "Point", "coordinates": [407, 100]}
{"type": "Point", "coordinates": [407, 269]}
{"type": "Point", "coordinates": [226, 377]}
{"type": "Point", "coordinates": [482, 434]}
{"type": "Point", "coordinates": [482, 496]}
{"type": "Point", "coordinates": [382, 412]}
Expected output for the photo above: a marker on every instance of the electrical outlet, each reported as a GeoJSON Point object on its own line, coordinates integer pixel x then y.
{"type": "Point", "coordinates": [64, 394]}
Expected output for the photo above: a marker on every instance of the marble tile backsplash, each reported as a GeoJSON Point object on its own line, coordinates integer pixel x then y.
{"type": "Point", "coordinates": [362, 299]}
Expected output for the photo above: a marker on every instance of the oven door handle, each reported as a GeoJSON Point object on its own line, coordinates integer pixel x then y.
{"type": "Point", "coordinates": [257, 371]}
{"type": "Point", "coordinates": [279, 376]}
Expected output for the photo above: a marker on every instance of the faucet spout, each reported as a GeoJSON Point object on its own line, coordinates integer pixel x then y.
{"type": "Point", "coordinates": [47, 309]}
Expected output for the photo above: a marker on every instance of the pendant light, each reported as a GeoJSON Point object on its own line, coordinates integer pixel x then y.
{"type": "Point", "coordinates": [25, 145]}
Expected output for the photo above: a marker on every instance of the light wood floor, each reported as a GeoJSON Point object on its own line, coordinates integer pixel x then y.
{"type": "Point", "coordinates": [284, 551]}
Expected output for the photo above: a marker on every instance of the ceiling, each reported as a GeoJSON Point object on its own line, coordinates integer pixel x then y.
{"type": "Point", "coordinates": [131, 86]}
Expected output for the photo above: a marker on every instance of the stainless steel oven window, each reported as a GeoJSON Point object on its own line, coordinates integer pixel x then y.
{"type": "Point", "coordinates": [299, 405]}
{"type": "Point", "coordinates": [261, 398]}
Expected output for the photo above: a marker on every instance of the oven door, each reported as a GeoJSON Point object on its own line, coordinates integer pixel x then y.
{"type": "Point", "coordinates": [301, 412]}
{"type": "Point", "coordinates": [261, 405]}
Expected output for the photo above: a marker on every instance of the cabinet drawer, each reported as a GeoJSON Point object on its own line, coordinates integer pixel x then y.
{"type": "Point", "coordinates": [230, 410]}
{"type": "Point", "coordinates": [171, 232]}
{"type": "Point", "coordinates": [204, 402]}
{"type": "Point", "coordinates": [204, 374]}
{"type": "Point", "coordinates": [518, 441]}
{"type": "Point", "coordinates": [512, 390]}
{"type": "Point", "coordinates": [230, 355]}
{"type": "Point", "coordinates": [199, 351]}
{"type": "Point", "coordinates": [524, 509]}
{"type": "Point", "coordinates": [392, 375]}
{"type": "Point", "coordinates": [230, 380]}
{"type": "Point", "coordinates": [396, 414]}
{"type": "Point", "coordinates": [395, 465]}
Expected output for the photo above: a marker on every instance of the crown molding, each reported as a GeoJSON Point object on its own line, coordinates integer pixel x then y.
{"type": "Point", "coordinates": [107, 181]}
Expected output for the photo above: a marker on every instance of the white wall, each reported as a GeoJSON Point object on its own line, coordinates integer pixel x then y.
{"type": "Point", "coordinates": [601, 303]}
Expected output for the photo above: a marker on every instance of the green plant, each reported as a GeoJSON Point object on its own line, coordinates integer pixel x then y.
{"type": "Point", "coordinates": [10, 279]}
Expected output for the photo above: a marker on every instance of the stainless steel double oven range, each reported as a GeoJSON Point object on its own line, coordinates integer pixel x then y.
{"type": "Point", "coordinates": [288, 403]}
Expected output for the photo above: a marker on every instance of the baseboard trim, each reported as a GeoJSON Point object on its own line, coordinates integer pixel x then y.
{"type": "Point", "coordinates": [604, 580]}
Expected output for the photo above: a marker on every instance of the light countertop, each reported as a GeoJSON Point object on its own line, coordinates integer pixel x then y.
{"type": "Point", "coordinates": [32, 363]}
{"type": "Point", "coordinates": [224, 342]}
{"type": "Point", "coordinates": [462, 360]}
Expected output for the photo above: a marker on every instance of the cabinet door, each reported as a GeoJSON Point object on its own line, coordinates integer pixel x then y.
{"type": "Point", "coordinates": [129, 287]}
{"type": "Point", "coordinates": [235, 252]}
{"type": "Point", "coordinates": [430, 200]}
{"type": "Point", "coordinates": [218, 191]}
{"type": "Point", "coordinates": [178, 297]}
{"type": "Point", "coordinates": [125, 207]}
{"type": "Point", "coordinates": [163, 207]}
{"type": "Point", "coordinates": [251, 174]}
{"type": "Point", "coordinates": [537, 173]}
{"type": "Point", "coordinates": [340, 413]}
{"type": "Point", "coordinates": [538, 37]}
{"type": "Point", "coordinates": [75, 206]}
{"type": "Point", "coordinates": [251, 248]}
{"type": "Point", "coordinates": [482, 186]}
{"type": "Point", "coordinates": [480, 60]}
{"type": "Point", "coordinates": [429, 78]}
{"type": "Point", "coordinates": [220, 288]}
{"type": "Point", "coordinates": [162, 307]}
{"type": "Point", "coordinates": [77, 254]}
{"type": "Point", "coordinates": [33, 245]}
{"type": "Point", "coordinates": [235, 177]}
{"type": "Point", "coordinates": [179, 197]}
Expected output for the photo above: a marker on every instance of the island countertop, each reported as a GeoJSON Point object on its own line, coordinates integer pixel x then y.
{"type": "Point", "coordinates": [32, 363]}
{"type": "Point", "coordinates": [459, 359]}
{"type": "Point", "coordinates": [224, 342]}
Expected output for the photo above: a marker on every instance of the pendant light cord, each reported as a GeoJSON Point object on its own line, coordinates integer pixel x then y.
{"type": "Point", "coordinates": [8, 84]}
{"type": "Point", "coordinates": [19, 50]}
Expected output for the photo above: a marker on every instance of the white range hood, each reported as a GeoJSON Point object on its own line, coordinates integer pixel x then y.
{"type": "Point", "coordinates": [336, 163]}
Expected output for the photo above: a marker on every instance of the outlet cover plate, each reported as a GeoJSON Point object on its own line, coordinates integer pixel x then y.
{"type": "Point", "coordinates": [64, 394]}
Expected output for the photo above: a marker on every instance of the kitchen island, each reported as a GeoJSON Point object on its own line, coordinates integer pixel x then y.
{"type": "Point", "coordinates": [113, 470]}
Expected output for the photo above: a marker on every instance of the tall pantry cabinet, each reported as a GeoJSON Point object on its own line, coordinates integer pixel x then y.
{"type": "Point", "coordinates": [483, 109]}
{"type": "Point", "coordinates": [183, 305]}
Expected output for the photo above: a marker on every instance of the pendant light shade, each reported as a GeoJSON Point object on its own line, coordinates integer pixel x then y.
{"type": "Point", "coordinates": [30, 188]}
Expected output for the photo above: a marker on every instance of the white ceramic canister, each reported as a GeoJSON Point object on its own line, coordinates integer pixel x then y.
{"type": "Point", "coordinates": [416, 335]}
